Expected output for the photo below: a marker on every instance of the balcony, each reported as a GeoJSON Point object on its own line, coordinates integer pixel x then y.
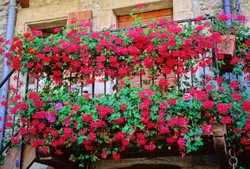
{"type": "Point", "coordinates": [177, 90]}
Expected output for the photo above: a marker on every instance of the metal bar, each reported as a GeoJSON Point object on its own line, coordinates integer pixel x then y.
{"type": "Point", "coordinates": [6, 69]}
{"type": "Point", "coordinates": [204, 72]}
{"type": "Point", "coordinates": [227, 9]}
{"type": "Point", "coordinates": [81, 87]}
{"type": "Point", "coordinates": [189, 22]}
{"type": "Point", "coordinates": [27, 85]}
{"type": "Point", "coordinates": [93, 88]}
{"type": "Point", "coordinates": [37, 81]}
{"type": "Point", "coordinates": [7, 145]}
{"type": "Point", "coordinates": [177, 21]}
{"type": "Point", "coordinates": [215, 53]}
{"type": "Point", "coordinates": [105, 85]}
{"type": "Point", "coordinates": [192, 78]}
{"type": "Point", "coordinates": [141, 81]}
{"type": "Point", "coordinates": [6, 78]}
{"type": "Point", "coordinates": [13, 129]}
{"type": "Point", "coordinates": [178, 87]}
{"type": "Point", "coordinates": [227, 6]}
{"type": "Point", "coordinates": [70, 79]}
{"type": "Point", "coordinates": [232, 77]}
{"type": "Point", "coordinates": [166, 87]}
{"type": "Point", "coordinates": [237, 7]}
{"type": "Point", "coordinates": [215, 57]}
{"type": "Point", "coordinates": [21, 140]}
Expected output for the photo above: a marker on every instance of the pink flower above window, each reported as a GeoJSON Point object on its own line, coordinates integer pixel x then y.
{"type": "Point", "coordinates": [140, 6]}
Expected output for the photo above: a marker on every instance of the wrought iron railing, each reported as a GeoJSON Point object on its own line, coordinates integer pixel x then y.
{"type": "Point", "coordinates": [7, 78]}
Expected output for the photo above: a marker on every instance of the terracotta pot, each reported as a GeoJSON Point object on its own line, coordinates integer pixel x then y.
{"type": "Point", "coordinates": [228, 45]}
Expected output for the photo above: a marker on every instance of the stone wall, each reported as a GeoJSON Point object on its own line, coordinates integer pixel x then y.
{"type": "Point", "coordinates": [206, 7]}
{"type": "Point", "coordinates": [3, 26]}
{"type": "Point", "coordinates": [209, 7]}
{"type": "Point", "coordinates": [244, 9]}
{"type": "Point", "coordinates": [188, 162]}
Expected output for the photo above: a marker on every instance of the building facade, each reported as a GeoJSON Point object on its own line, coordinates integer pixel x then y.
{"type": "Point", "coordinates": [49, 14]}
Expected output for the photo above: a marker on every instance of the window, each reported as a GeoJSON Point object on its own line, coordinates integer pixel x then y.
{"type": "Point", "coordinates": [126, 21]}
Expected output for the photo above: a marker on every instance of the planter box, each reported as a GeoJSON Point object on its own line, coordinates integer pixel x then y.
{"type": "Point", "coordinates": [228, 45]}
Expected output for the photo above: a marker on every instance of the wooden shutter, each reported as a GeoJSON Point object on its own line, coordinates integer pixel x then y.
{"type": "Point", "coordinates": [127, 20]}
{"type": "Point", "coordinates": [83, 16]}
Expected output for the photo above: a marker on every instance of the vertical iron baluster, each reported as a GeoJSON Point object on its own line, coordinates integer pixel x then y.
{"type": "Point", "coordinates": [141, 81]}
{"type": "Point", "coordinates": [192, 78]}
{"type": "Point", "coordinates": [81, 87]}
{"type": "Point", "coordinates": [93, 88]}
{"type": "Point", "coordinates": [215, 58]}
{"type": "Point", "coordinates": [237, 7]}
{"type": "Point", "coordinates": [204, 72]}
{"type": "Point", "coordinates": [37, 82]}
{"type": "Point", "coordinates": [117, 89]}
{"type": "Point", "coordinates": [21, 140]}
{"type": "Point", "coordinates": [230, 77]}
{"type": "Point", "coordinates": [178, 76]}
{"type": "Point", "coordinates": [105, 85]}
{"type": "Point", "coordinates": [5, 112]}
{"type": "Point", "coordinates": [13, 129]}
{"type": "Point", "coordinates": [166, 87]}
{"type": "Point", "coordinates": [70, 78]}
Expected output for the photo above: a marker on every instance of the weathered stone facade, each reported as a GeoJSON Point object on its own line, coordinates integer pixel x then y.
{"type": "Point", "coordinates": [3, 26]}
{"type": "Point", "coordinates": [206, 7]}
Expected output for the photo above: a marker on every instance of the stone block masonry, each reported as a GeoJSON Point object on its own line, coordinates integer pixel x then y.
{"type": "Point", "coordinates": [3, 26]}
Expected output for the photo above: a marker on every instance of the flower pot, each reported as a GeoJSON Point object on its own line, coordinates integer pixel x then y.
{"type": "Point", "coordinates": [228, 45]}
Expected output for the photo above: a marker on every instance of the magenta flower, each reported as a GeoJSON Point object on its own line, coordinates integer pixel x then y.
{"type": "Point", "coordinates": [58, 105]}
{"type": "Point", "coordinates": [50, 99]}
{"type": "Point", "coordinates": [140, 6]}
{"type": "Point", "coordinates": [87, 95]}
{"type": "Point", "coordinates": [187, 97]}
{"type": "Point", "coordinates": [51, 118]}
{"type": "Point", "coordinates": [112, 26]}
{"type": "Point", "coordinates": [57, 30]}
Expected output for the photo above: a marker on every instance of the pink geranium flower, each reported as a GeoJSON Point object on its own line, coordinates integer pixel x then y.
{"type": "Point", "coordinates": [140, 6]}
{"type": "Point", "coordinates": [58, 105]}
{"type": "Point", "coordinates": [187, 97]}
